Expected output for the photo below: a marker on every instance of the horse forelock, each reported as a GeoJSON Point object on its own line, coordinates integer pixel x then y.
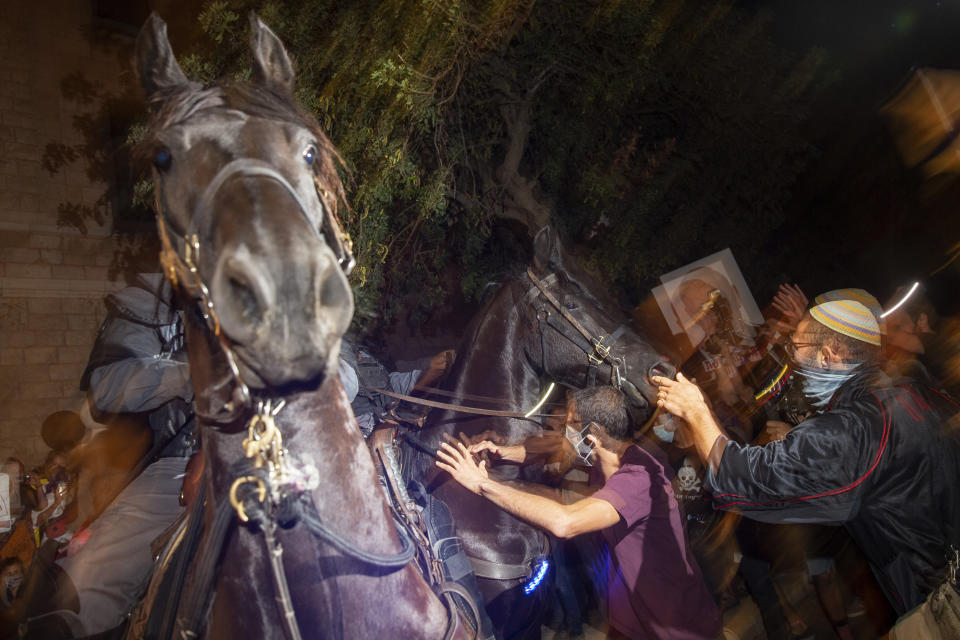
{"type": "Point", "coordinates": [177, 107]}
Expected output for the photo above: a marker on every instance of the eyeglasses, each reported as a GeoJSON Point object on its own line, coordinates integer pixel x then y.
{"type": "Point", "coordinates": [792, 347]}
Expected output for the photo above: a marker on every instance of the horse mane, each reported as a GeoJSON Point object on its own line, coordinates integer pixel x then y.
{"type": "Point", "coordinates": [269, 102]}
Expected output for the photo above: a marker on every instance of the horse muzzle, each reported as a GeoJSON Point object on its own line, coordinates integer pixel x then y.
{"type": "Point", "coordinates": [284, 315]}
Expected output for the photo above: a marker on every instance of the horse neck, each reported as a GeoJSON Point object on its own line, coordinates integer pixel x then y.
{"type": "Point", "coordinates": [493, 360]}
{"type": "Point", "coordinates": [322, 441]}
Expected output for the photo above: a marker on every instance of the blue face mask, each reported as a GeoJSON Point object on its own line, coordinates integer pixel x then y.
{"type": "Point", "coordinates": [819, 385]}
{"type": "Point", "coordinates": [664, 434]}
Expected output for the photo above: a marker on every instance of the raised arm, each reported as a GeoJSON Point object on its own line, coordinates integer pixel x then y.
{"type": "Point", "coordinates": [561, 520]}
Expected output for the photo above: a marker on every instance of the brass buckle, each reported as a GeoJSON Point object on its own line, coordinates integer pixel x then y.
{"type": "Point", "coordinates": [235, 502]}
{"type": "Point", "coordinates": [600, 351]}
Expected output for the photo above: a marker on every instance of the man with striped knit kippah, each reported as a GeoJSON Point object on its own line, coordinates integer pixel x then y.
{"type": "Point", "coordinates": [856, 295]}
{"type": "Point", "coordinates": [849, 318]}
{"type": "Point", "coordinates": [875, 457]}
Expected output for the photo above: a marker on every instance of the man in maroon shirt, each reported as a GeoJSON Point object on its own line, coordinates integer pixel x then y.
{"type": "Point", "coordinates": [654, 587]}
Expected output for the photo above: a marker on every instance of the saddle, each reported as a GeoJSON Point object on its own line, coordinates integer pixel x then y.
{"type": "Point", "coordinates": [441, 559]}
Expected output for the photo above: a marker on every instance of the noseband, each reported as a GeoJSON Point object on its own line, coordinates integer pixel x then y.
{"type": "Point", "coordinates": [182, 270]}
{"type": "Point", "coordinates": [598, 348]}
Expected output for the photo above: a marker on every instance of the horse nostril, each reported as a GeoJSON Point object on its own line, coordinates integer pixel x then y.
{"type": "Point", "coordinates": [245, 298]}
{"type": "Point", "coordinates": [663, 369]}
{"type": "Point", "coordinates": [334, 290]}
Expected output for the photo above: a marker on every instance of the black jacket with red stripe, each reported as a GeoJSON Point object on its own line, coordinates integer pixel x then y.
{"type": "Point", "coordinates": [881, 460]}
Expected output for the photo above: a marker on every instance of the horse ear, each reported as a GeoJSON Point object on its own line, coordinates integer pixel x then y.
{"type": "Point", "coordinates": [547, 251]}
{"type": "Point", "coordinates": [156, 65]}
{"type": "Point", "coordinates": [271, 64]}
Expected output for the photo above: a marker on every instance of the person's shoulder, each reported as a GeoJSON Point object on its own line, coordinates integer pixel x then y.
{"type": "Point", "coordinates": [640, 464]}
{"type": "Point", "coordinates": [849, 424]}
{"type": "Point", "coordinates": [644, 452]}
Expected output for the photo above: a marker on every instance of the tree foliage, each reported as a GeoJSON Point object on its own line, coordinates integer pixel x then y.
{"type": "Point", "coordinates": [650, 132]}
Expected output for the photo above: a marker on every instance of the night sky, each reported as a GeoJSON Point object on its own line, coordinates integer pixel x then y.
{"type": "Point", "coordinates": [884, 223]}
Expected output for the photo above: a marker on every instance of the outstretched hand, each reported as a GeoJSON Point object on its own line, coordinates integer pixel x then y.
{"type": "Point", "coordinates": [507, 453]}
{"type": "Point", "coordinates": [459, 463]}
{"type": "Point", "coordinates": [791, 302]}
{"type": "Point", "coordinates": [681, 397]}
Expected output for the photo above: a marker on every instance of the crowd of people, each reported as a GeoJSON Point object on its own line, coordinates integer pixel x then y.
{"type": "Point", "coordinates": [821, 417]}
{"type": "Point", "coordinates": [829, 414]}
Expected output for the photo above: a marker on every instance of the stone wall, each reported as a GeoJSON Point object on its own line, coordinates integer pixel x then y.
{"type": "Point", "coordinates": [52, 277]}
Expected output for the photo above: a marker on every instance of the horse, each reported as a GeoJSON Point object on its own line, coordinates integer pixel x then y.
{"type": "Point", "coordinates": [553, 323]}
{"type": "Point", "coordinates": [247, 198]}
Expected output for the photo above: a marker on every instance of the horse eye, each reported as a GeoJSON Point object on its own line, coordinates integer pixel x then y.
{"type": "Point", "coordinates": [162, 159]}
{"type": "Point", "coordinates": [310, 154]}
{"type": "Point", "coordinates": [570, 305]}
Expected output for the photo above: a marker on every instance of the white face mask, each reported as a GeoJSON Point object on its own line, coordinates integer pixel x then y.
{"type": "Point", "coordinates": [581, 444]}
{"type": "Point", "coordinates": [11, 585]}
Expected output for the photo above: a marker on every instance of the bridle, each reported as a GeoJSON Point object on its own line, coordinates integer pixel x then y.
{"type": "Point", "coordinates": [262, 492]}
{"type": "Point", "coordinates": [181, 268]}
{"type": "Point", "coordinates": [597, 347]}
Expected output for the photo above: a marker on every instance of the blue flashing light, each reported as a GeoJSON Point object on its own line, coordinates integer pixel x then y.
{"type": "Point", "coordinates": [538, 575]}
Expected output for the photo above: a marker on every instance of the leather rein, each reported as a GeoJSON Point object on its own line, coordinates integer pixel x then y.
{"type": "Point", "coordinates": [598, 350]}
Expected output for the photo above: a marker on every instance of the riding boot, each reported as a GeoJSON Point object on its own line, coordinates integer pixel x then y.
{"type": "Point", "coordinates": [449, 549]}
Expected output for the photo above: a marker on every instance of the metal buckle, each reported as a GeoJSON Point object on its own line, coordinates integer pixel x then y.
{"type": "Point", "coordinates": [600, 350]}
{"type": "Point", "coordinates": [261, 493]}
{"type": "Point", "coordinates": [953, 565]}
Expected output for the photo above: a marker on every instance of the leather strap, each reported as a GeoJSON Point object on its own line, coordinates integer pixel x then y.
{"type": "Point", "coordinates": [499, 571]}
{"type": "Point", "coordinates": [456, 407]}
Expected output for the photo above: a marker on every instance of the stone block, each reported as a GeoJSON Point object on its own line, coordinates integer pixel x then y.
{"type": "Point", "coordinates": [38, 186]}
{"type": "Point", "coordinates": [42, 390]}
{"type": "Point", "coordinates": [12, 238]}
{"type": "Point", "coordinates": [44, 305]}
{"type": "Point", "coordinates": [29, 135]}
{"type": "Point", "coordinates": [49, 338]}
{"type": "Point", "coordinates": [71, 389]}
{"type": "Point", "coordinates": [40, 355]}
{"type": "Point", "coordinates": [31, 202]}
{"type": "Point", "coordinates": [17, 339]}
{"type": "Point", "coordinates": [31, 170]}
{"type": "Point", "coordinates": [9, 200]}
{"type": "Point", "coordinates": [81, 245]}
{"type": "Point", "coordinates": [78, 338]}
{"type": "Point", "coordinates": [20, 255]}
{"type": "Point", "coordinates": [11, 356]}
{"type": "Point", "coordinates": [82, 323]}
{"type": "Point", "coordinates": [22, 410]}
{"type": "Point", "coordinates": [49, 322]}
{"type": "Point", "coordinates": [66, 372]}
{"type": "Point", "coordinates": [28, 270]}
{"type": "Point", "coordinates": [66, 272]}
{"type": "Point", "coordinates": [51, 256]}
{"type": "Point", "coordinates": [20, 150]}
{"type": "Point", "coordinates": [44, 241]}
{"type": "Point", "coordinates": [18, 119]}
{"type": "Point", "coordinates": [33, 373]}
{"type": "Point", "coordinates": [95, 273]}
{"type": "Point", "coordinates": [66, 355]}
{"type": "Point", "coordinates": [78, 306]}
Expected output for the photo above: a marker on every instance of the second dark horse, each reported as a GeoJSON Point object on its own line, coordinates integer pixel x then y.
{"type": "Point", "coordinates": [519, 343]}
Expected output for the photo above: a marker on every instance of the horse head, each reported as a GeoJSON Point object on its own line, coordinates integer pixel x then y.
{"type": "Point", "coordinates": [580, 339]}
{"type": "Point", "coordinates": [247, 195]}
